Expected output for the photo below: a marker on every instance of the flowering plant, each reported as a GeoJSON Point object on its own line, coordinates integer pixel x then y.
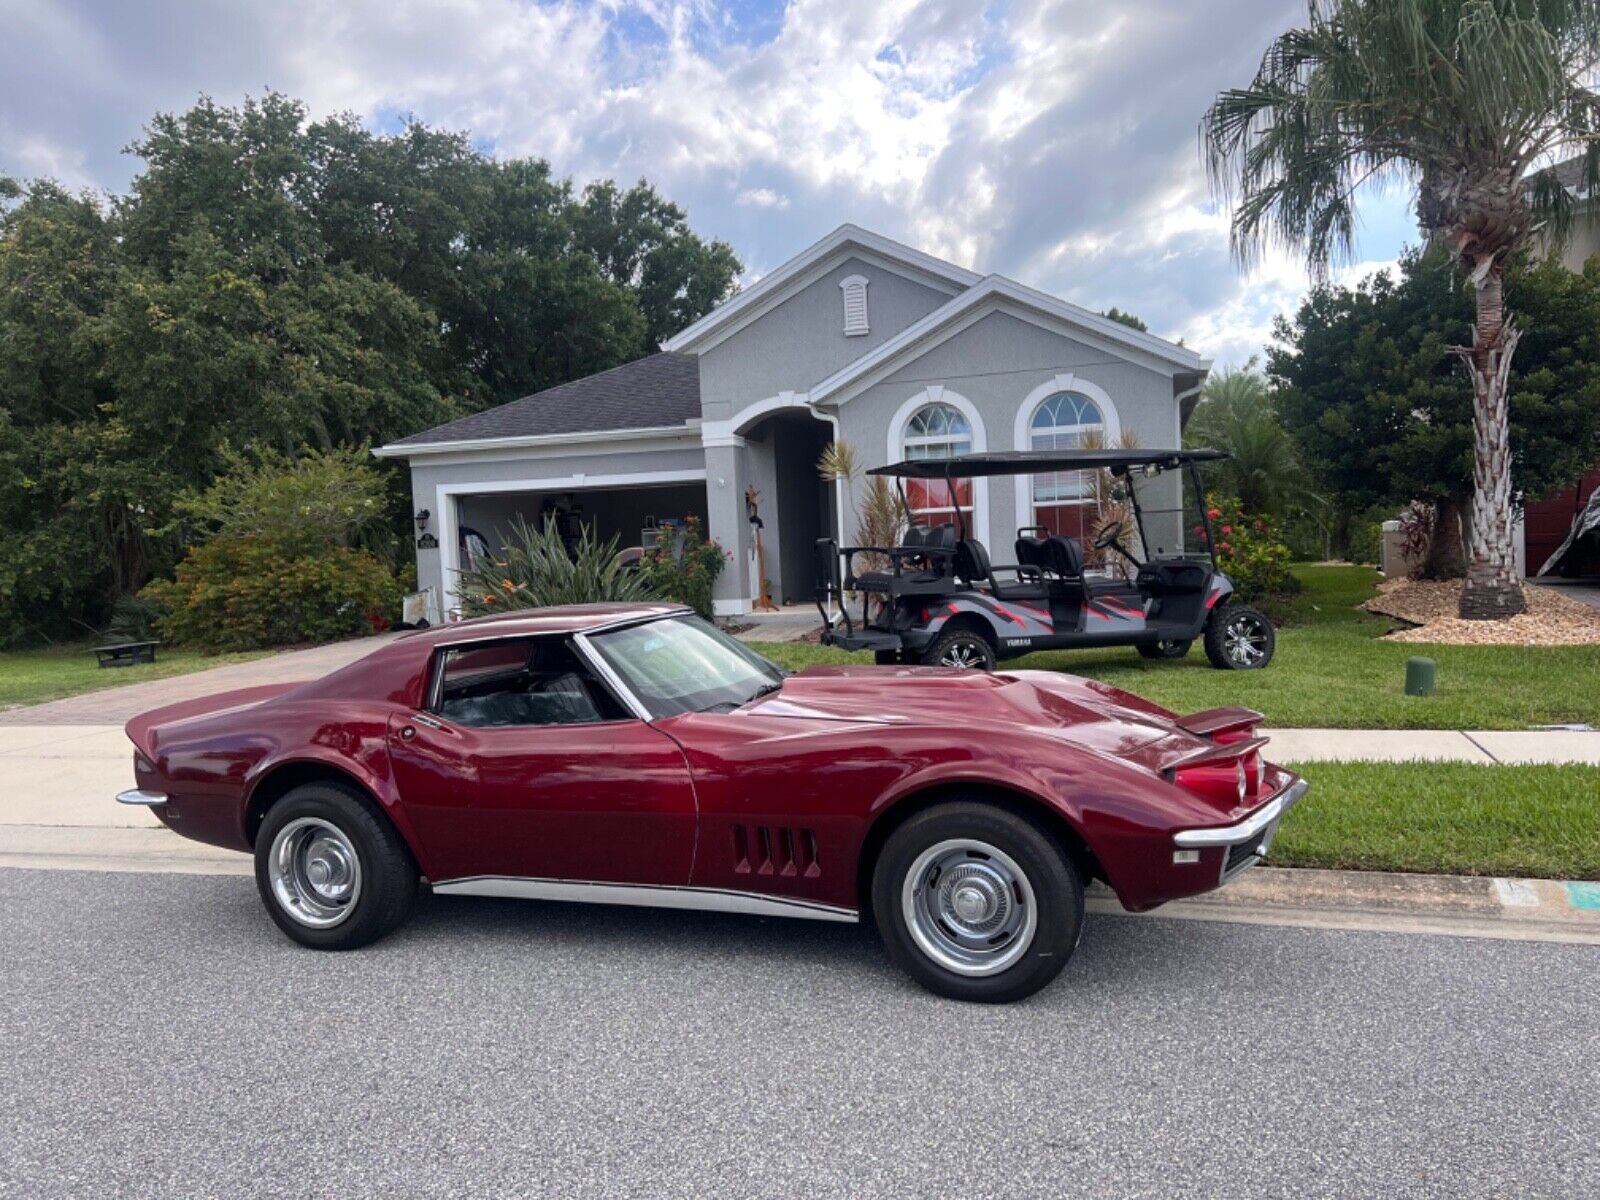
{"type": "Point", "coordinates": [1250, 550]}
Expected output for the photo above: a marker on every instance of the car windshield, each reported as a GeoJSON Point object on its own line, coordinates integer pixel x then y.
{"type": "Point", "coordinates": [683, 664]}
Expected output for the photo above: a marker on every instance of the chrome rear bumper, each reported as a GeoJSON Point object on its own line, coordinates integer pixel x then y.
{"type": "Point", "coordinates": [1243, 831]}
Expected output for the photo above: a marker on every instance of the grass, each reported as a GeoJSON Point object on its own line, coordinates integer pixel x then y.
{"type": "Point", "coordinates": [34, 676]}
{"type": "Point", "coordinates": [1452, 818]}
{"type": "Point", "coordinates": [1333, 670]}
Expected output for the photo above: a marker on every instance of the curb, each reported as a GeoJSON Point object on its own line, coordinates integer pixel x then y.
{"type": "Point", "coordinates": [1549, 910]}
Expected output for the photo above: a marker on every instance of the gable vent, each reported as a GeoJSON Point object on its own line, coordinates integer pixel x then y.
{"type": "Point", "coordinates": [775, 850]}
{"type": "Point", "coordinates": [855, 305]}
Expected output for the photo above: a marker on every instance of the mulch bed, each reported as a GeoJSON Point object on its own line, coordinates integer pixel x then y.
{"type": "Point", "coordinates": [1429, 608]}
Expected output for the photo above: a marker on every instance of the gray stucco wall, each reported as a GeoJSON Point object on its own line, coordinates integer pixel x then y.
{"type": "Point", "coordinates": [801, 341]}
{"type": "Point", "coordinates": [995, 364]}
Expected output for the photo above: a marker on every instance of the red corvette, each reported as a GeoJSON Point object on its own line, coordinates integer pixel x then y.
{"type": "Point", "coordinates": [634, 754]}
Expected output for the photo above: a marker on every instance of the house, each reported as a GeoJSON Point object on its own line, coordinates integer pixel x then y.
{"type": "Point", "coordinates": [1546, 522]}
{"type": "Point", "coordinates": [857, 338]}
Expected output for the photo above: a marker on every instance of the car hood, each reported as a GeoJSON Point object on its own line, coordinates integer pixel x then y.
{"type": "Point", "coordinates": [1083, 712]}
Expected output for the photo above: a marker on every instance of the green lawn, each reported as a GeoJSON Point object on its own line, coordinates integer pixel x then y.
{"type": "Point", "coordinates": [34, 676]}
{"type": "Point", "coordinates": [1455, 818]}
{"type": "Point", "coordinates": [1332, 670]}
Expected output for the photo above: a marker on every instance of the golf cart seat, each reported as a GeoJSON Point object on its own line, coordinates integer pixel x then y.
{"type": "Point", "coordinates": [920, 563]}
{"type": "Point", "coordinates": [1061, 561]}
{"type": "Point", "coordinates": [974, 568]}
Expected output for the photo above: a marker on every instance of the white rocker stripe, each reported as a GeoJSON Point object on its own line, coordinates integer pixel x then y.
{"type": "Point", "coordinates": [645, 895]}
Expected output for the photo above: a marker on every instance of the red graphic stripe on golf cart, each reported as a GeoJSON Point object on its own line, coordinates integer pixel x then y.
{"type": "Point", "coordinates": [1211, 600]}
{"type": "Point", "coordinates": [1120, 607]}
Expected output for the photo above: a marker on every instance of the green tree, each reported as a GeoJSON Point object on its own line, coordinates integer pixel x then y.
{"type": "Point", "coordinates": [1365, 385]}
{"type": "Point", "coordinates": [280, 285]}
{"type": "Point", "coordinates": [1237, 414]}
{"type": "Point", "coordinates": [1459, 98]}
{"type": "Point", "coordinates": [1125, 318]}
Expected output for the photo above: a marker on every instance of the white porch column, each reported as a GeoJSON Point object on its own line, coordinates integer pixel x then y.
{"type": "Point", "coordinates": [725, 484]}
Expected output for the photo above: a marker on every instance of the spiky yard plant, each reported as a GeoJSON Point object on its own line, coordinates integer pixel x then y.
{"type": "Point", "coordinates": [535, 570]}
{"type": "Point", "coordinates": [1459, 100]}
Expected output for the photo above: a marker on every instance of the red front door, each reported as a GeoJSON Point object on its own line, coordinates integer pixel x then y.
{"type": "Point", "coordinates": [607, 802]}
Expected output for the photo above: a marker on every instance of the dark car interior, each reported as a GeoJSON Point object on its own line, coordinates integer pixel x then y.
{"type": "Point", "coordinates": [522, 681]}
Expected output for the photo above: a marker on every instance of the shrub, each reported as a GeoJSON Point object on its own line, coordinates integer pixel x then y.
{"type": "Point", "coordinates": [249, 593]}
{"type": "Point", "coordinates": [687, 575]}
{"type": "Point", "coordinates": [1250, 551]}
{"type": "Point", "coordinates": [305, 504]}
{"type": "Point", "coordinates": [537, 570]}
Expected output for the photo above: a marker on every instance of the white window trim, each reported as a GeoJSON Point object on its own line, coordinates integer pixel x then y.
{"type": "Point", "coordinates": [1021, 433]}
{"type": "Point", "coordinates": [854, 288]}
{"type": "Point", "coordinates": [936, 393]}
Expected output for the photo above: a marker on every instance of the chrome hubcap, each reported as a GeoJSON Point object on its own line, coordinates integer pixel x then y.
{"type": "Point", "coordinates": [1245, 640]}
{"type": "Point", "coordinates": [315, 872]}
{"type": "Point", "coordinates": [969, 907]}
{"type": "Point", "coordinates": [963, 656]}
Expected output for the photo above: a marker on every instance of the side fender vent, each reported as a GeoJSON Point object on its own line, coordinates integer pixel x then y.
{"type": "Point", "coordinates": [775, 850]}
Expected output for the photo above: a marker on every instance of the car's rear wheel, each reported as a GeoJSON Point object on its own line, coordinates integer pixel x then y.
{"type": "Point", "coordinates": [962, 648]}
{"type": "Point", "coordinates": [333, 874]}
{"type": "Point", "coordinates": [1239, 638]}
{"type": "Point", "coordinates": [1164, 649]}
{"type": "Point", "coordinates": [977, 903]}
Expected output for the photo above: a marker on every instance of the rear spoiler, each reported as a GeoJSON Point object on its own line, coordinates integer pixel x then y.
{"type": "Point", "coordinates": [1212, 722]}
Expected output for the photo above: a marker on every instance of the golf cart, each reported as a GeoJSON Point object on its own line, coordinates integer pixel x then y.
{"type": "Point", "coordinates": [936, 599]}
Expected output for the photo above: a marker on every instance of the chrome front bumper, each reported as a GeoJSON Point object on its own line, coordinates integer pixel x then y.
{"type": "Point", "coordinates": [140, 796]}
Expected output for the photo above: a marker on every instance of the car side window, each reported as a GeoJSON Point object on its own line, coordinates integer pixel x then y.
{"type": "Point", "coordinates": [519, 682]}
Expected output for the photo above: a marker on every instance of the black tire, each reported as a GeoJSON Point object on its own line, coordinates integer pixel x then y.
{"type": "Point", "coordinates": [1047, 872]}
{"type": "Point", "coordinates": [1230, 648]}
{"type": "Point", "coordinates": [1164, 649]}
{"type": "Point", "coordinates": [958, 645]}
{"type": "Point", "coordinates": [388, 878]}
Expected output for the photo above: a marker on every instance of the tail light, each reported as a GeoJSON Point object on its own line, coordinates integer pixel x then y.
{"type": "Point", "coordinates": [1226, 781]}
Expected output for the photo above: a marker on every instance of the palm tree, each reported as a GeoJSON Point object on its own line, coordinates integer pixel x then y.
{"type": "Point", "coordinates": [1236, 414]}
{"type": "Point", "coordinates": [1458, 99]}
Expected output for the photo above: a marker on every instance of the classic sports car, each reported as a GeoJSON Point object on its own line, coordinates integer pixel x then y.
{"type": "Point", "coordinates": [634, 754]}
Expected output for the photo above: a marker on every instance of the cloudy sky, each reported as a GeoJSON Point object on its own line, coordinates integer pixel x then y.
{"type": "Point", "coordinates": [1051, 140]}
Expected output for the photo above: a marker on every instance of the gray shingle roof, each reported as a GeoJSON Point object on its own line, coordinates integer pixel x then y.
{"type": "Point", "coordinates": [649, 393]}
{"type": "Point", "coordinates": [1569, 173]}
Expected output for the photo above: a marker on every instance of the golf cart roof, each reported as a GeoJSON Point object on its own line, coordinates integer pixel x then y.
{"type": "Point", "coordinates": [1029, 462]}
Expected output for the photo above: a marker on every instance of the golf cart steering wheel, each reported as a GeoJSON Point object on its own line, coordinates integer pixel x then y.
{"type": "Point", "coordinates": [1110, 537]}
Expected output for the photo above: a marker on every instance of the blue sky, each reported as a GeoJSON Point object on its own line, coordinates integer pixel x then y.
{"type": "Point", "coordinates": [1051, 140]}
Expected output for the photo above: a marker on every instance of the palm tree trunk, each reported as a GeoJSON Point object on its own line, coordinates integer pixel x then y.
{"type": "Point", "coordinates": [1445, 557]}
{"type": "Point", "coordinates": [1492, 590]}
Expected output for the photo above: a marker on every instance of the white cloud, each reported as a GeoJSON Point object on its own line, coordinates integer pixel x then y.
{"type": "Point", "coordinates": [762, 198]}
{"type": "Point", "coordinates": [1054, 140]}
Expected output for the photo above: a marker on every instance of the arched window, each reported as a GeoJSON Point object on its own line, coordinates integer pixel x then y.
{"type": "Point", "coordinates": [937, 431]}
{"type": "Point", "coordinates": [1064, 501]}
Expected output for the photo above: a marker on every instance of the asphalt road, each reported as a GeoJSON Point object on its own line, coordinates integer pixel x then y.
{"type": "Point", "coordinates": [159, 1037]}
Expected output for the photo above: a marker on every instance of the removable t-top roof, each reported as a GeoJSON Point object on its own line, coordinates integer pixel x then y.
{"type": "Point", "coordinates": [1030, 462]}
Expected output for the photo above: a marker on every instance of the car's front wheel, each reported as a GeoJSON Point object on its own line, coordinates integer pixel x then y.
{"type": "Point", "coordinates": [333, 874]}
{"type": "Point", "coordinates": [976, 902]}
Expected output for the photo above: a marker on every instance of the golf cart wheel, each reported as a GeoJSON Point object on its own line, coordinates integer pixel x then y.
{"type": "Point", "coordinates": [960, 648]}
{"type": "Point", "coordinates": [886, 658]}
{"type": "Point", "coordinates": [1163, 649]}
{"type": "Point", "coordinates": [976, 902]}
{"type": "Point", "coordinates": [1239, 639]}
